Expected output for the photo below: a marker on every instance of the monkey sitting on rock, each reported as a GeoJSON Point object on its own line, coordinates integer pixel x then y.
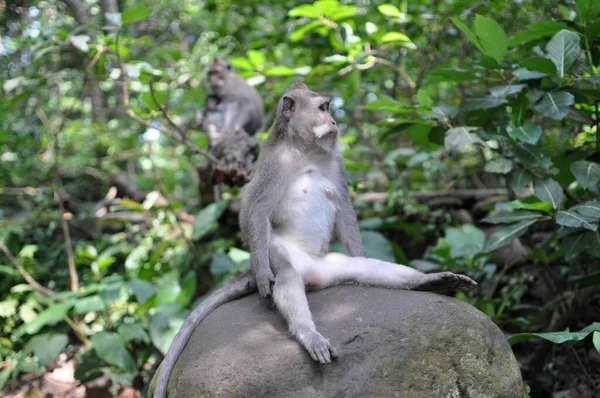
{"type": "Point", "coordinates": [297, 200]}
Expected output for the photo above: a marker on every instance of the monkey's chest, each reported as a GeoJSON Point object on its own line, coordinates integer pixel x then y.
{"type": "Point", "coordinates": [310, 208]}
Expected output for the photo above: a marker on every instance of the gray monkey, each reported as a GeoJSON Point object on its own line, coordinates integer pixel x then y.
{"type": "Point", "coordinates": [296, 201]}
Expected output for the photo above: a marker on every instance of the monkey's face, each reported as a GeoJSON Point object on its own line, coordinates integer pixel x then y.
{"type": "Point", "coordinates": [308, 114]}
{"type": "Point", "coordinates": [216, 77]}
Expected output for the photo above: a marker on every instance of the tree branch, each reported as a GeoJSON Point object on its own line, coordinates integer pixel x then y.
{"type": "Point", "coordinates": [26, 275]}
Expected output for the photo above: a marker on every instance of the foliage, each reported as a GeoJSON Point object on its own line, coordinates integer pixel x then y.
{"type": "Point", "coordinates": [432, 97]}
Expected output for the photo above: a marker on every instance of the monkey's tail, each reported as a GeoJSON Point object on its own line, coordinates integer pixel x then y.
{"type": "Point", "coordinates": [240, 286]}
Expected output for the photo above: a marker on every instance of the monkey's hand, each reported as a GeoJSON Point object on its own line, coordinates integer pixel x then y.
{"type": "Point", "coordinates": [264, 280]}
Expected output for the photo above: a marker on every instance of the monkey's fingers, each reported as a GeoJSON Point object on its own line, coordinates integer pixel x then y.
{"type": "Point", "coordinates": [445, 280]}
{"type": "Point", "coordinates": [320, 349]}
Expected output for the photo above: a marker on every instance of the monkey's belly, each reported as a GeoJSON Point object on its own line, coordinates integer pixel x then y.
{"type": "Point", "coordinates": [310, 211]}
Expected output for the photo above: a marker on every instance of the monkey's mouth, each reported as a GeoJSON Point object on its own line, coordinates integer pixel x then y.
{"type": "Point", "coordinates": [325, 130]}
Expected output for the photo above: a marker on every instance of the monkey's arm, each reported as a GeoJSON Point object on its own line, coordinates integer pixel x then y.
{"type": "Point", "coordinates": [260, 201]}
{"type": "Point", "coordinates": [346, 224]}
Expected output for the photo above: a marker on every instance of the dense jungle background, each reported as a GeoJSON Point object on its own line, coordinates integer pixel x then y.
{"type": "Point", "coordinates": [469, 131]}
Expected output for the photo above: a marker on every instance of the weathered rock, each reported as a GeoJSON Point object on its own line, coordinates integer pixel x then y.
{"type": "Point", "coordinates": [391, 344]}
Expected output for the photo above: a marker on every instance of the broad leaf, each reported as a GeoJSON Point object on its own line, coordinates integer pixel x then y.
{"type": "Point", "coordinates": [136, 13]}
{"type": "Point", "coordinates": [558, 337]}
{"type": "Point", "coordinates": [505, 91]}
{"type": "Point", "coordinates": [491, 36]}
{"type": "Point", "coordinates": [133, 331]}
{"type": "Point", "coordinates": [518, 179]}
{"type": "Point", "coordinates": [587, 173]}
{"type": "Point", "coordinates": [458, 138]}
{"type": "Point", "coordinates": [536, 31]}
{"type": "Point", "coordinates": [587, 10]}
{"type": "Point", "coordinates": [532, 155]}
{"type": "Point", "coordinates": [549, 190]}
{"type": "Point", "coordinates": [468, 32]}
{"type": "Point", "coordinates": [539, 64]}
{"type": "Point", "coordinates": [377, 246]}
{"type": "Point", "coordinates": [110, 348]}
{"type": "Point", "coordinates": [81, 42]}
{"type": "Point", "coordinates": [510, 217]}
{"type": "Point", "coordinates": [169, 288]}
{"type": "Point", "coordinates": [89, 304]}
{"type": "Point", "coordinates": [51, 315]}
{"type": "Point", "coordinates": [206, 220]}
{"type": "Point", "coordinates": [529, 205]}
{"type": "Point", "coordinates": [574, 244]}
{"type": "Point", "coordinates": [475, 104]}
{"type": "Point", "coordinates": [47, 346]}
{"type": "Point", "coordinates": [164, 325]}
{"type": "Point", "coordinates": [571, 219]}
{"type": "Point", "coordinates": [389, 10]}
{"type": "Point", "coordinates": [505, 235]}
{"type": "Point", "coordinates": [394, 36]}
{"type": "Point", "coordinates": [555, 105]}
{"type": "Point", "coordinates": [500, 165]}
{"type": "Point", "coordinates": [524, 74]}
{"type": "Point", "coordinates": [588, 209]}
{"type": "Point", "coordinates": [563, 49]}
{"type": "Point", "coordinates": [142, 289]}
{"type": "Point", "coordinates": [529, 133]}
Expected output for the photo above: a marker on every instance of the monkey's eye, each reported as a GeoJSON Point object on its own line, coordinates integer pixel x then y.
{"type": "Point", "coordinates": [324, 107]}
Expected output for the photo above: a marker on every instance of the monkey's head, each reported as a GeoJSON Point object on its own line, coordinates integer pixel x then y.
{"type": "Point", "coordinates": [304, 114]}
{"type": "Point", "coordinates": [216, 76]}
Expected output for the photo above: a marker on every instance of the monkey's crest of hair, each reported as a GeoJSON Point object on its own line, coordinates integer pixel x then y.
{"type": "Point", "coordinates": [299, 85]}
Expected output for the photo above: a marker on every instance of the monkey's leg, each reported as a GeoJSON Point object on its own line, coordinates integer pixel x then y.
{"type": "Point", "coordinates": [290, 298]}
{"type": "Point", "coordinates": [336, 268]}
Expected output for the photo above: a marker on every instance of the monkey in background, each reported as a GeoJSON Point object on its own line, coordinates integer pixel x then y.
{"type": "Point", "coordinates": [242, 105]}
{"type": "Point", "coordinates": [212, 119]}
{"type": "Point", "coordinates": [296, 201]}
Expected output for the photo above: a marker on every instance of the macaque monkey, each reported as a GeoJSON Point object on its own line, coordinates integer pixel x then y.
{"type": "Point", "coordinates": [212, 119]}
{"type": "Point", "coordinates": [242, 105]}
{"type": "Point", "coordinates": [296, 201]}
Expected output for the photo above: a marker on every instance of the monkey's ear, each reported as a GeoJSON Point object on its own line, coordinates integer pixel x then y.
{"type": "Point", "coordinates": [288, 106]}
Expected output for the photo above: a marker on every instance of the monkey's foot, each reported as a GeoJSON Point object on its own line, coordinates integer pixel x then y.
{"type": "Point", "coordinates": [444, 280]}
{"type": "Point", "coordinates": [319, 348]}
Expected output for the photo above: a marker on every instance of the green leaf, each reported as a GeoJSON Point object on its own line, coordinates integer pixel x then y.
{"type": "Point", "coordinates": [536, 31]}
{"type": "Point", "coordinates": [518, 179]}
{"type": "Point", "coordinates": [466, 241]}
{"type": "Point", "coordinates": [539, 64]}
{"type": "Point", "coordinates": [524, 74]}
{"type": "Point", "coordinates": [206, 220]}
{"type": "Point", "coordinates": [280, 71]}
{"type": "Point", "coordinates": [587, 10]}
{"type": "Point", "coordinates": [536, 206]}
{"type": "Point", "coordinates": [555, 105]}
{"type": "Point", "coordinates": [136, 13]}
{"type": "Point", "coordinates": [188, 287]}
{"type": "Point", "coordinates": [475, 104]}
{"type": "Point", "coordinates": [220, 264]}
{"type": "Point", "coordinates": [528, 133]}
{"type": "Point", "coordinates": [468, 32]}
{"type": "Point", "coordinates": [110, 348]}
{"type": "Point", "coordinates": [587, 173]}
{"type": "Point", "coordinates": [500, 165]}
{"type": "Point", "coordinates": [571, 219]}
{"type": "Point", "coordinates": [453, 75]}
{"type": "Point", "coordinates": [394, 36]}
{"type": "Point", "coordinates": [563, 50]}
{"type": "Point", "coordinates": [549, 190]}
{"type": "Point", "coordinates": [305, 10]}
{"type": "Point", "coordinates": [164, 325]}
{"type": "Point", "coordinates": [89, 304]}
{"type": "Point", "coordinates": [257, 59]}
{"type": "Point", "coordinates": [169, 288]}
{"type": "Point", "coordinates": [142, 289]}
{"type": "Point", "coordinates": [47, 346]}
{"type": "Point", "coordinates": [419, 134]}
{"type": "Point", "coordinates": [389, 10]}
{"type": "Point", "coordinates": [491, 37]}
{"type": "Point", "coordinates": [558, 337]}
{"type": "Point", "coordinates": [510, 217]}
{"type": "Point", "coordinates": [458, 138]}
{"type": "Point", "coordinates": [506, 234]}
{"type": "Point", "coordinates": [574, 244]}
{"type": "Point", "coordinates": [588, 209]}
{"type": "Point", "coordinates": [505, 91]}
{"type": "Point", "coordinates": [51, 315]}
{"type": "Point", "coordinates": [532, 155]}
{"type": "Point", "coordinates": [596, 340]}
{"type": "Point", "coordinates": [377, 246]}
{"type": "Point", "coordinates": [133, 331]}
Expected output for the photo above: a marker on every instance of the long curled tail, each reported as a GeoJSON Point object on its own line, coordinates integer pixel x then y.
{"type": "Point", "coordinates": [239, 287]}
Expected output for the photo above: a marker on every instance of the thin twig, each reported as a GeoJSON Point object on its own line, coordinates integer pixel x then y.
{"type": "Point", "coordinates": [26, 275]}
{"type": "Point", "coordinates": [54, 130]}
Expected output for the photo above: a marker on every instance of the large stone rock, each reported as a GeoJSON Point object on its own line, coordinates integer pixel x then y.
{"type": "Point", "coordinates": [391, 344]}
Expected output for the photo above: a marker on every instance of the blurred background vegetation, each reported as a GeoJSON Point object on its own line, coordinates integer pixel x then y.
{"type": "Point", "coordinates": [470, 134]}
